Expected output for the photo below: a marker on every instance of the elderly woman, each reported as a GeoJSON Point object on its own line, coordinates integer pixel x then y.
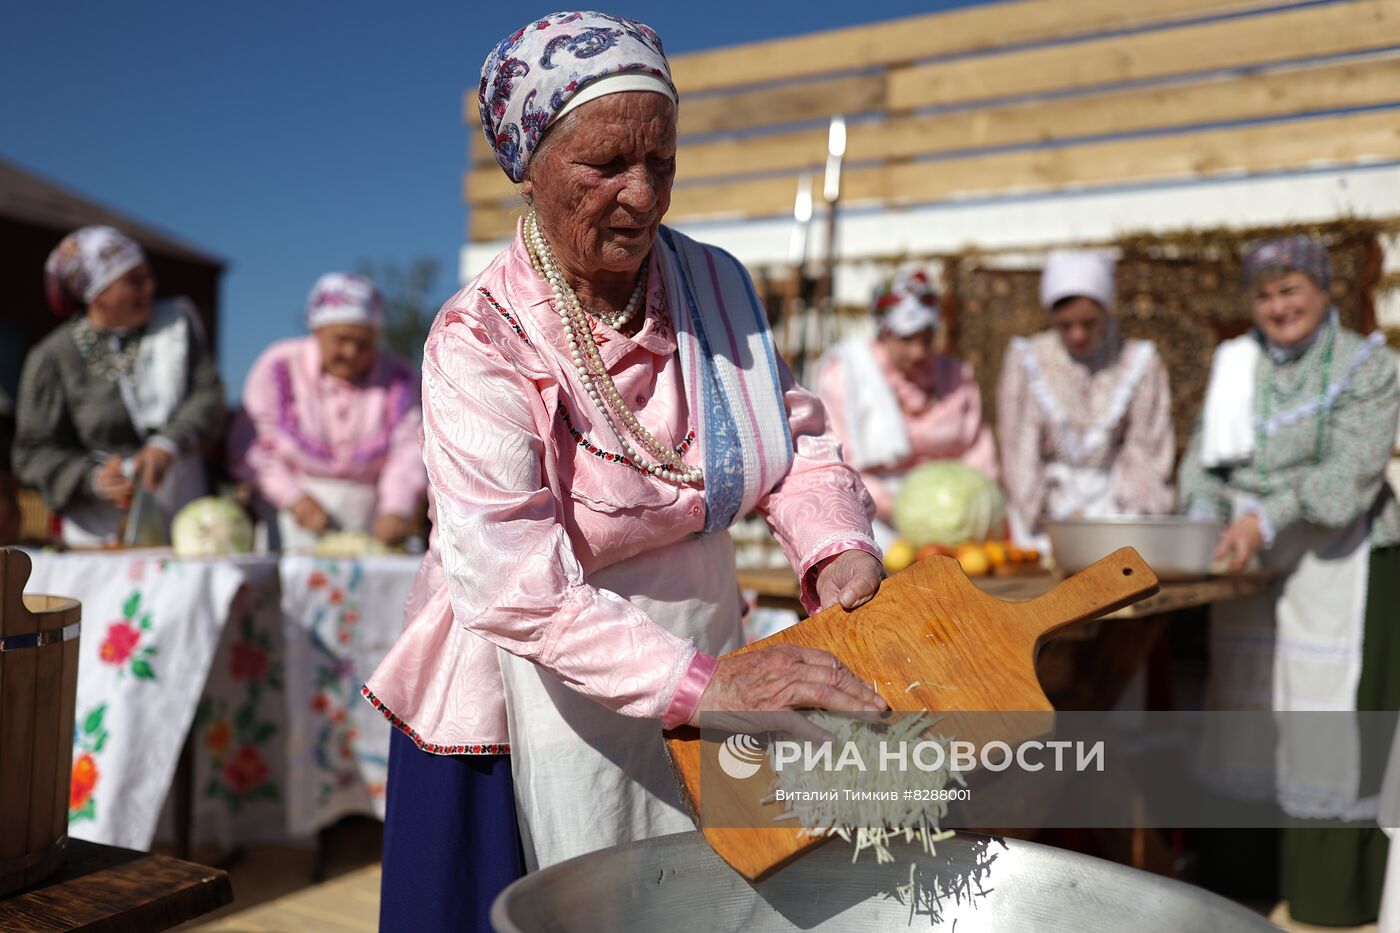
{"type": "Point", "coordinates": [1291, 452]}
{"type": "Point", "coordinates": [124, 394]}
{"type": "Point", "coordinates": [329, 433]}
{"type": "Point", "coordinates": [896, 402]}
{"type": "Point", "coordinates": [600, 404]}
{"type": "Point", "coordinates": [1083, 415]}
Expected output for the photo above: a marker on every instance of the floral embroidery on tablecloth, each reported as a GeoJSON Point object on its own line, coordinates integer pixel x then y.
{"type": "Point", "coordinates": [236, 739]}
{"type": "Point", "coordinates": [122, 645]}
{"type": "Point", "coordinates": [89, 738]}
{"type": "Point", "coordinates": [334, 587]}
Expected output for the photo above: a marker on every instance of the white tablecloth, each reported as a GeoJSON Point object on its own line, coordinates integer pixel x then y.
{"type": "Point", "coordinates": [261, 657]}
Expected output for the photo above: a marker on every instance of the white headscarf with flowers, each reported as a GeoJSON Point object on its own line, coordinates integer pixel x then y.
{"type": "Point", "coordinates": [343, 298]}
{"type": "Point", "coordinates": [85, 262]}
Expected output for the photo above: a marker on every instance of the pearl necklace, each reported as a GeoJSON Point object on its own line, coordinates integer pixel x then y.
{"type": "Point", "coordinates": [618, 319]}
{"type": "Point", "coordinates": [593, 373]}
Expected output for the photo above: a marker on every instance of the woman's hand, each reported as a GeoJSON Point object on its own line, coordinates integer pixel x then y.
{"type": "Point", "coordinates": [109, 483]}
{"type": "Point", "coordinates": [152, 463]}
{"type": "Point", "coordinates": [851, 578]}
{"type": "Point", "coordinates": [391, 529]}
{"type": "Point", "coordinates": [787, 677]}
{"type": "Point", "coordinates": [1240, 542]}
{"type": "Point", "coordinates": [307, 513]}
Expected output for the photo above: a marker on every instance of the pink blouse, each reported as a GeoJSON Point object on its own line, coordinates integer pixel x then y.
{"type": "Point", "coordinates": [942, 415]}
{"type": "Point", "coordinates": [532, 495]}
{"type": "Point", "coordinates": [298, 421]}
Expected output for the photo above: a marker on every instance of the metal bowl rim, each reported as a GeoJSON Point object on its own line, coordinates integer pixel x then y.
{"type": "Point", "coordinates": [1142, 521]}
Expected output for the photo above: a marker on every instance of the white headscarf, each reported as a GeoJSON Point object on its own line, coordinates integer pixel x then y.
{"type": "Point", "coordinates": [342, 298]}
{"type": "Point", "coordinates": [85, 262]}
{"type": "Point", "coordinates": [1079, 273]}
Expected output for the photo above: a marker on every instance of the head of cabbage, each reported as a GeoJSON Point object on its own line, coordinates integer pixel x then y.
{"type": "Point", "coordinates": [947, 502]}
{"type": "Point", "coordinates": [211, 527]}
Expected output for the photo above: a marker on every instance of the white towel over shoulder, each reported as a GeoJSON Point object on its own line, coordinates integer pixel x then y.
{"type": "Point", "coordinates": [1227, 421]}
{"type": "Point", "coordinates": [874, 421]}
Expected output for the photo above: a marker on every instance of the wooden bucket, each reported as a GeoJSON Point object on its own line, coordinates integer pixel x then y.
{"type": "Point", "coordinates": [38, 692]}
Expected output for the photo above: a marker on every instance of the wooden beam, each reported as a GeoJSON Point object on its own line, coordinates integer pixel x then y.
{"type": "Point", "coordinates": [1274, 94]}
{"type": "Point", "coordinates": [1332, 29]}
{"type": "Point", "coordinates": [793, 103]}
{"type": "Point", "coordinates": [989, 26]}
{"type": "Point", "coordinates": [1291, 144]}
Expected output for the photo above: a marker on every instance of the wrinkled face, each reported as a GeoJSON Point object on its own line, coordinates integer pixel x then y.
{"type": "Point", "coordinates": [1288, 307]}
{"type": "Point", "coordinates": [910, 355]}
{"type": "Point", "coordinates": [347, 350]}
{"type": "Point", "coordinates": [1082, 323]}
{"type": "Point", "coordinates": [603, 184]}
{"type": "Point", "coordinates": [127, 301]}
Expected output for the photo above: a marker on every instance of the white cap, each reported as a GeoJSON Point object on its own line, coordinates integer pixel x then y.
{"type": "Point", "coordinates": [1072, 274]}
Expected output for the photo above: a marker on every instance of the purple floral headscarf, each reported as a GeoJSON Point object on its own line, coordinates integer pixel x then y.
{"type": "Point", "coordinates": [532, 74]}
{"type": "Point", "coordinates": [1300, 252]}
{"type": "Point", "coordinates": [84, 263]}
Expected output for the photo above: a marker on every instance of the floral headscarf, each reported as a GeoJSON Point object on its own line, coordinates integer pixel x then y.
{"type": "Point", "coordinates": [548, 67]}
{"type": "Point", "coordinates": [84, 263]}
{"type": "Point", "coordinates": [1300, 253]}
{"type": "Point", "coordinates": [342, 298]}
{"type": "Point", "coordinates": [907, 306]}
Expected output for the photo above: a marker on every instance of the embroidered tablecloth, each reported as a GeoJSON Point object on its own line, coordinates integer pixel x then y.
{"type": "Point", "coordinates": [260, 658]}
{"type": "Point", "coordinates": [151, 625]}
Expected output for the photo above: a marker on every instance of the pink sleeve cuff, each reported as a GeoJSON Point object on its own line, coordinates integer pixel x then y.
{"type": "Point", "coordinates": [687, 696]}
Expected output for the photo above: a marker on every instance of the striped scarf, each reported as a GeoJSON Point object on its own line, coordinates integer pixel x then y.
{"type": "Point", "coordinates": [731, 375]}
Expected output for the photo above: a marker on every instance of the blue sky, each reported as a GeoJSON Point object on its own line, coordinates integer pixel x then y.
{"type": "Point", "coordinates": [294, 138]}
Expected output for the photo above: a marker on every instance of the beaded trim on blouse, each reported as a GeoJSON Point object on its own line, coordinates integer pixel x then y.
{"type": "Point", "coordinates": [582, 441]}
{"type": "Point", "coordinates": [430, 747]}
{"type": "Point", "coordinates": [514, 324]}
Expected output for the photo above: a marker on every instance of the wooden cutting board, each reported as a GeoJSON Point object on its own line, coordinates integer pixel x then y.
{"type": "Point", "coordinates": [967, 652]}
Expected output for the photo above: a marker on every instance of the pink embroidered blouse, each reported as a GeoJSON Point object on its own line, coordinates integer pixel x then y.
{"type": "Point", "coordinates": [942, 415]}
{"type": "Point", "coordinates": [299, 421]}
{"type": "Point", "coordinates": [531, 495]}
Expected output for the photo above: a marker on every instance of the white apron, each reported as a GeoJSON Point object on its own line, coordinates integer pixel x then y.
{"type": "Point", "coordinates": [1296, 647]}
{"type": "Point", "coordinates": [587, 778]}
{"type": "Point", "coordinates": [96, 523]}
{"type": "Point", "coordinates": [1088, 492]}
{"type": "Point", "coordinates": [349, 503]}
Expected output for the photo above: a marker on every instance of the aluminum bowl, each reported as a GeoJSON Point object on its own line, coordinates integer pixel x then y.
{"type": "Point", "coordinates": [678, 883]}
{"type": "Point", "coordinates": [1176, 548]}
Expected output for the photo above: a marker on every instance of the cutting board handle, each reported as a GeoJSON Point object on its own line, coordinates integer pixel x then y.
{"type": "Point", "coordinates": [1118, 580]}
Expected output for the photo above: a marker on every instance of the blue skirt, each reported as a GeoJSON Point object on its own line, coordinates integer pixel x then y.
{"type": "Point", "coordinates": [451, 842]}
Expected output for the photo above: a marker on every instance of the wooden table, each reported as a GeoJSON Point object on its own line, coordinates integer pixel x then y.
{"type": "Point", "coordinates": [778, 587]}
{"type": "Point", "coordinates": [103, 888]}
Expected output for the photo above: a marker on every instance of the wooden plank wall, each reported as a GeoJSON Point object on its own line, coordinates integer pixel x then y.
{"type": "Point", "coordinates": [1021, 96]}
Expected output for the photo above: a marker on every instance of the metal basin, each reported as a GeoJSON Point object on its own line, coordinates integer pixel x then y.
{"type": "Point", "coordinates": [1175, 547]}
{"type": "Point", "coordinates": [678, 883]}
